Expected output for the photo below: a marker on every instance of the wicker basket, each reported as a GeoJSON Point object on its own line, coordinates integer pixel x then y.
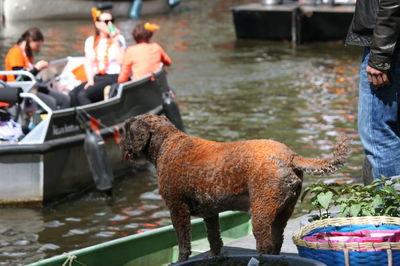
{"type": "Point", "coordinates": [350, 253]}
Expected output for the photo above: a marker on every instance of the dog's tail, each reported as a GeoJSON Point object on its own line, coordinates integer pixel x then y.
{"type": "Point", "coordinates": [329, 165]}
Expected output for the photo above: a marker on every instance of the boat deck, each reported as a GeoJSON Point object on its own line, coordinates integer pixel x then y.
{"type": "Point", "coordinates": [159, 246]}
{"type": "Point", "coordinates": [247, 245]}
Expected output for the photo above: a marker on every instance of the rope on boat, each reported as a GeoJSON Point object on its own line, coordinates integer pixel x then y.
{"type": "Point", "coordinates": [83, 117]}
{"type": "Point", "coordinates": [70, 259]}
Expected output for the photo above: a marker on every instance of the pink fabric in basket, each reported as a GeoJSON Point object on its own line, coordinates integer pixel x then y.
{"type": "Point", "coordinates": [377, 236]}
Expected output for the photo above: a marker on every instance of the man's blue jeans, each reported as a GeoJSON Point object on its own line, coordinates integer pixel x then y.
{"type": "Point", "coordinates": [378, 120]}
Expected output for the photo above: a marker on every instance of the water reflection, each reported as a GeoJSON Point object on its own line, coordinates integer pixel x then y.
{"type": "Point", "coordinates": [19, 235]}
{"type": "Point", "coordinates": [227, 89]}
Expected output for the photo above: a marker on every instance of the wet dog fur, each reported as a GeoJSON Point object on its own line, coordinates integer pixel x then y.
{"type": "Point", "coordinates": [203, 178]}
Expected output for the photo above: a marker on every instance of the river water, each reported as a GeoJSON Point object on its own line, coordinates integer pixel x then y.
{"type": "Point", "coordinates": [227, 90]}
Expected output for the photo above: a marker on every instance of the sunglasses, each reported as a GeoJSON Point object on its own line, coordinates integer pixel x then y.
{"type": "Point", "coordinates": [106, 20]}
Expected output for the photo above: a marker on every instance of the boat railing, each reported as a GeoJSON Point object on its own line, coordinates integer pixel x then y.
{"type": "Point", "coordinates": [40, 119]}
{"type": "Point", "coordinates": [25, 85]}
{"type": "Point", "coordinates": [31, 112]}
{"type": "Point", "coordinates": [37, 121]}
{"type": "Point", "coordinates": [38, 101]}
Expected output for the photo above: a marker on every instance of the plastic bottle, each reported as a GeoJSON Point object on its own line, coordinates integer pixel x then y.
{"type": "Point", "coordinates": [111, 28]}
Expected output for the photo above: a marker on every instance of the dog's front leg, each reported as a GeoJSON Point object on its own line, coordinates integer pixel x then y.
{"type": "Point", "coordinates": [213, 234]}
{"type": "Point", "coordinates": [180, 216]}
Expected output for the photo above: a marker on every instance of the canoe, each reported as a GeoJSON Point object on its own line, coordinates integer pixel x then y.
{"type": "Point", "coordinates": [155, 247]}
{"type": "Point", "coordinates": [50, 161]}
{"type": "Point", "coordinates": [17, 10]}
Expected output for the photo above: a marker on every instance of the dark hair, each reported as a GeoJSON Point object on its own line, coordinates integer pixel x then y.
{"type": "Point", "coordinates": [32, 34]}
{"type": "Point", "coordinates": [140, 34]}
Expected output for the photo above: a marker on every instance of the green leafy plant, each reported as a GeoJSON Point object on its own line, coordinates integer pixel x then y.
{"type": "Point", "coordinates": [380, 198]}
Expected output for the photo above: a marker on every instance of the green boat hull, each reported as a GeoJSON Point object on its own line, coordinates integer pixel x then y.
{"type": "Point", "coordinates": [155, 247]}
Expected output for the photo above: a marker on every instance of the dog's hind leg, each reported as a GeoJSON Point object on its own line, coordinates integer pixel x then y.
{"type": "Point", "coordinates": [279, 225]}
{"type": "Point", "coordinates": [291, 188]}
{"type": "Point", "coordinates": [180, 216]}
{"type": "Point", "coordinates": [270, 194]}
{"type": "Point", "coordinates": [213, 234]}
{"type": "Point", "coordinates": [263, 212]}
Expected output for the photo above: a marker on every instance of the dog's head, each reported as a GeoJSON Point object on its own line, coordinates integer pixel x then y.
{"type": "Point", "coordinates": [138, 134]}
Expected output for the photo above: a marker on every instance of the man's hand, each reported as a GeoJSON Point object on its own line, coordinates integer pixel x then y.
{"type": "Point", "coordinates": [377, 78]}
{"type": "Point", "coordinates": [41, 65]}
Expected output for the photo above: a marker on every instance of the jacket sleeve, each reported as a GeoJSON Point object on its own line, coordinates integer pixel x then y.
{"type": "Point", "coordinates": [385, 35]}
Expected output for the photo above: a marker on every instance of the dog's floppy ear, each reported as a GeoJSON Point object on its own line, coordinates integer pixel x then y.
{"type": "Point", "coordinates": [140, 134]}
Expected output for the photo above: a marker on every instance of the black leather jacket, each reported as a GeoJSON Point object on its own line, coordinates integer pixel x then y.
{"type": "Point", "coordinates": [376, 23]}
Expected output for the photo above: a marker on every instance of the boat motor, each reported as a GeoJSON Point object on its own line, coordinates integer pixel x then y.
{"type": "Point", "coordinates": [97, 157]}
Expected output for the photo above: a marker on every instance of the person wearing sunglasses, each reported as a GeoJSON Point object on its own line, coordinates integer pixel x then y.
{"type": "Point", "coordinates": [103, 57]}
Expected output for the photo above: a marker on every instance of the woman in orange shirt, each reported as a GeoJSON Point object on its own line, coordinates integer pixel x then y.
{"type": "Point", "coordinates": [145, 57]}
{"type": "Point", "coordinates": [20, 57]}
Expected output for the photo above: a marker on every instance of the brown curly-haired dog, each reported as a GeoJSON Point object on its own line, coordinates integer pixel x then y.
{"type": "Point", "coordinates": [202, 178]}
